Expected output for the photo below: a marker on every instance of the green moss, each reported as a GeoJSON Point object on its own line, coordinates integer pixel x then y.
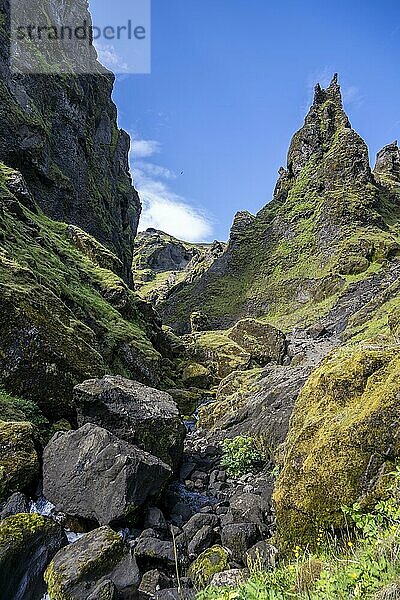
{"type": "Point", "coordinates": [87, 318]}
{"type": "Point", "coordinates": [16, 529]}
{"type": "Point", "coordinates": [96, 556]}
{"type": "Point", "coordinates": [19, 463]}
{"type": "Point", "coordinates": [216, 350]}
{"type": "Point", "coordinates": [232, 394]}
{"type": "Point", "coordinates": [195, 375]}
{"type": "Point", "coordinates": [214, 560]}
{"type": "Point", "coordinates": [343, 417]}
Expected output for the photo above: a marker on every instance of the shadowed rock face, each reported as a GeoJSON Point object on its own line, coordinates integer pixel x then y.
{"type": "Point", "coordinates": [27, 544]}
{"type": "Point", "coordinates": [93, 474]}
{"type": "Point", "coordinates": [61, 133]}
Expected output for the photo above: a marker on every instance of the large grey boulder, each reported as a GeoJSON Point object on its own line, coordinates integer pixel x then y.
{"type": "Point", "coordinates": [28, 542]}
{"type": "Point", "coordinates": [262, 341]}
{"type": "Point", "coordinates": [99, 565]}
{"type": "Point", "coordinates": [239, 537]}
{"type": "Point", "coordinates": [91, 473]}
{"type": "Point", "coordinates": [138, 414]}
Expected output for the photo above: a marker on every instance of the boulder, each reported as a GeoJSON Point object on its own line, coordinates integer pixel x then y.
{"type": "Point", "coordinates": [215, 351]}
{"type": "Point", "coordinates": [250, 508]}
{"type": "Point", "coordinates": [140, 415]}
{"type": "Point", "coordinates": [100, 562]}
{"type": "Point", "coordinates": [231, 578]}
{"type": "Point", "coordinates": [19, 462]}
{"type": "Point", "coordinates": [343, 439]}
{"type": "Point", "coordinates": [261, 556]}
{"type": "Point", "coordinates": [152, 552]}
{"type": "Point", "coordinates": [16, 503]}
{"type": "Point", "coordinates": [262, 341]}
{"type": "Point", "coordinates": [203, 539]}
{"type": "Point", "coordinates": [196, 375]}
{"type": "Point", "coordinates": [28, 542]}
{"type": "Point", "coordinates": [92, 474]}
{"type": "Point", "coordinates": [197, 522]}
{"type": "Point", "coordinates": [211, 561]}
{"type": "Point", "coordinates": [154, 519]}
{"type": "Point", "coordinates": [239, 537]}
{"type": "Point", "coordinates": [152, 582]}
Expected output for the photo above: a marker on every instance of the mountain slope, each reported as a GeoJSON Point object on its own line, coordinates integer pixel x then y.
{"type": "Point", "coordinates": [330, 223]}
{"type": "Point", "coordinates": [162, 264]}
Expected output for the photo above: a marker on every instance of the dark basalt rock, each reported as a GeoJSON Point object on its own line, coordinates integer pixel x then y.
{"type": "Point", "coordinates": [16, 503]}
{"type": "Point", "coordinates": [239, 537]}
{"type": "Point", "coordinates": [92, 474]}
{"type": "Point", "coordinates": [151, 552]}
{"type": "Point", "coordinates": [152, 582]}
{"type": "Point", "coordinates": [19, 462]}
{"type": "Point", "coordinates": [28, 542]}
{"type": "Point", "coordinates": [99, 565]}
{"type": "Point", "coordinates": [197, 522]}
{"type": "Point", "coordinates": [262, 554]}
{"type": "Point", "coordinates": [61, 132]}
{"type": "Point", "coordinates": [204, 538]}
{"type": "Point", "coordinates": [143, 416]}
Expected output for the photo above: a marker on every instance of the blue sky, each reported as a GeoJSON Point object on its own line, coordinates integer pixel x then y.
{"type": "Point", "coordinates": [231, 81]}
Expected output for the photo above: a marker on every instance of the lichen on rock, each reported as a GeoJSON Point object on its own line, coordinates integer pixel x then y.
{"type": "Point", "coordinates": [19, 462]}
{"type": "Point", "coordinates": [343, 438]}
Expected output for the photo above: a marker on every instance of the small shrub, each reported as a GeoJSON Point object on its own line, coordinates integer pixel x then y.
{"type": "Point", "coordinates": [240, 455]}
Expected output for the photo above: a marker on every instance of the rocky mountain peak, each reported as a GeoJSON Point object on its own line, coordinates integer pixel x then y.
{"type": "Point", "coordinates": [388, 163]}
{"type": "Point", "coordinates": [332, 92]}
{"type": "Point", "coordinates": [325, 118]}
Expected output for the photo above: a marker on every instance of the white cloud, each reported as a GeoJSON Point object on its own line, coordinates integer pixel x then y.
{"type": "Point", "coordinates": [109, 57]}
{"type": "Point", "coordinates": [352, 95]}
{"type": "Point", "coordinates": [155, 170]}
{"type": "Point", "coordinates": [162, 208]}
{"type": "Point", "coordinates": [144, 148]}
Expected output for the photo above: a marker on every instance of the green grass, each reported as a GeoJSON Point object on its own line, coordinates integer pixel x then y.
{"type": "Point", "coordinates": [363, 563]}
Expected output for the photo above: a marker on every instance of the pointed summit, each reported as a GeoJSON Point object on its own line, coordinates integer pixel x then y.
{"type": "Point", "coordinates": [325, 118]}
{"type": "Point", "coordinates": [332, 93]}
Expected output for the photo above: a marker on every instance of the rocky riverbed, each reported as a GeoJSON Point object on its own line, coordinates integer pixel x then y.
{"type": "Point", "coordinates": [128, 524]}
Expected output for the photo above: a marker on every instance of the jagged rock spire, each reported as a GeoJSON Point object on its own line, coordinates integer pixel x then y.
{"type": "Point", "coordinates": [332, 92]}
{"type": "Point", "coordinates": [388, 163]}
{"type": "Point", "coordinates": [325, 117]}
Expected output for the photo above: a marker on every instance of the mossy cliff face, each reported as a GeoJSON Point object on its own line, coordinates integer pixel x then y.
{"type": "Point", "coordinates": [19, 462]}
{"type": "Point", "coordinates": [65, 316]}
{"type": "Point", "coordinates": [163, 264]}
{"type": "Point", "coordinates": [331, 220]}
{"type": "Point", "coordinates": [61, 133]}
{"type": "Point", "coordinates": [344, 436]}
